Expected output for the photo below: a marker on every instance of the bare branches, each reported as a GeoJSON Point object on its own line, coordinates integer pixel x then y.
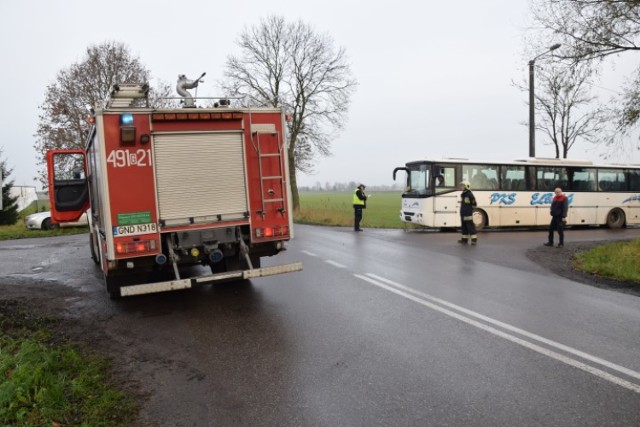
{"type": "Point", "coordinates": [569, 110]}
{"type": "Point", "coordinates": [63, 123]}
{"type": "Point", "coordinates": [592, 31]}
{"type": "Point", "coordinates": [290, 65]}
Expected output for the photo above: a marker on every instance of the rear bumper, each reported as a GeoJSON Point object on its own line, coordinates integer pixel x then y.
{"type": "Point", "coordinates": [173, 285]}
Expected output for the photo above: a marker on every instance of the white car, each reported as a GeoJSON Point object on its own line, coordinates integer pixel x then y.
{"type": "Point", "coordinates": [42, 221]}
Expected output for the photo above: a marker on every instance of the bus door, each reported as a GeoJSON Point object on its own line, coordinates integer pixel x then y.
{"type": "Point", "coordinates": [445, 206]}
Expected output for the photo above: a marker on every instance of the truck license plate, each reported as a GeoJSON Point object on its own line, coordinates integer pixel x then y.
{"type": "Point", "coordinates": [134, 229]}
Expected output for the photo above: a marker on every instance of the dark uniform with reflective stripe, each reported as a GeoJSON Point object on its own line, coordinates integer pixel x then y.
{"type": "Point", "coordinates": [467, 204]}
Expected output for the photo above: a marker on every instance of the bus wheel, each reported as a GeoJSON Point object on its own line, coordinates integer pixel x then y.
{"type": "Point", "coordinates": [615, 219]}
{"type": "Point", "coordinates": [479, 219]}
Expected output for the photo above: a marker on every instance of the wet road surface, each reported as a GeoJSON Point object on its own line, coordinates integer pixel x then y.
{"type": "Point", "coordinates": [382, 328]}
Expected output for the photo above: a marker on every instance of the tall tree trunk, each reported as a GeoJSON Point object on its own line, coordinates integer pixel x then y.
{"type": "Point", "coordinates": [292, 178]}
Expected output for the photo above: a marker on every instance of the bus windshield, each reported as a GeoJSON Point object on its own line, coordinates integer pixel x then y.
{"type": "Point", "coordinates": [418, 180]}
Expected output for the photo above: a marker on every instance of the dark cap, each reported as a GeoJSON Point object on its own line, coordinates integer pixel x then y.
{"type": "Point", "coordinates": [362, 186]}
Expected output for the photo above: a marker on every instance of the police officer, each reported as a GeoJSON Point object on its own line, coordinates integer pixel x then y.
{"type": "Point", "coordinates": [359, 203]}
{"type": "Point", "coordinates": [467, 204]}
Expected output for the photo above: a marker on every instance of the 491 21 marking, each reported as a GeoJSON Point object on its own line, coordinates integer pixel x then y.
{"type": "Point", "coordinates": [123, 158]}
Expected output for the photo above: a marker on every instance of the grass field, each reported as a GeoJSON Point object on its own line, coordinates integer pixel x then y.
{"type": "Point", "coordinates": [618, 260]}
{"type": "Point", "coordinates": [336, 208]}
{"type": "Point", "coordinates": [19, 231]}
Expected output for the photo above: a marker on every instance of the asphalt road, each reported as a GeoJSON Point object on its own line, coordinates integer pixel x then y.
{"type": "Point", "coordinates": [382, 328]}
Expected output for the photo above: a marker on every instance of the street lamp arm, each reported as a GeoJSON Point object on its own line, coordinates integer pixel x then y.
{"type": "Point", "coordinates": [532, 117]}
{"type": "Point", "coordinates": [551, 49]}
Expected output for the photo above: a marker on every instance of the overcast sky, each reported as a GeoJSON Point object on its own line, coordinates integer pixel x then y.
{"type": "Point", "coordinates": [435, 78]}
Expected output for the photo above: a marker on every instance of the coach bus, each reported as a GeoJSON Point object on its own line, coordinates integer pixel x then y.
{"type": "Point", "coordinates": [519, 193]}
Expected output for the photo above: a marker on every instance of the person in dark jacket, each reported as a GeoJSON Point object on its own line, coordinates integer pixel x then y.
{"type": "Point", "coordinates": [559, 209]}
{"type": "Point", "coordinates": [467, 204]}
{"type": "Point", "coordinates": [359, 203]}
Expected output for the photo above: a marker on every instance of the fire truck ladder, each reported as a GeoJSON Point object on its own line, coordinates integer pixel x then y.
{"type": "Point", "coordinates": [255, 136]}
{"type": "Point", "coordinates": [124, 95]}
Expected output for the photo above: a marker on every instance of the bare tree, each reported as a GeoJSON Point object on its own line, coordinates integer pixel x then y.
{"type": "Point", "coordinates": [569, 111]}
{"type": "Point", "coordinates": [163, 96]}
{"type": "Point", "coordinates": [590, 31]}
{"type": "Point", "coordinates": [63, 122]}
{"type": "Point", "coordinates": [290, 65]}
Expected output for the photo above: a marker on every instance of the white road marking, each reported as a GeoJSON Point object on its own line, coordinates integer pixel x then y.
{"type": "Point", "coordinates": [308, 253]}
{"type": "Point", "coordinates": [511, 328]}
{"type": "Point", "coordinates": [335, 264]}
{"type": "Point", "coordinates": [423, 300]}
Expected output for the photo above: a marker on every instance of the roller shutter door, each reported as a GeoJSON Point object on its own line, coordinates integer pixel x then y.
{"type": "Point", "coordinates": [200, 176]}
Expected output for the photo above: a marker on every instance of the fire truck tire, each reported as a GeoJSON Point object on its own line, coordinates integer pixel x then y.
{"type": "Point", "coordinates": [94, 248]}
{"type": "Point", "coordinates": [255, 261]}
{"type": "Point", "coordinates": [113, 286]}
{"type": "Point", "coordinates": [234, 263]}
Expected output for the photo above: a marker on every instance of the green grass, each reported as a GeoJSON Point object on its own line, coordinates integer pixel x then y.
{"type": "Point", "coordinates": [19, 231]}
{"type": "Point", "coordinates": [336, 209]}
{"type": "Point", "coordinates": [619, 260]}
{"type": "Point", "coordinates": [47, 382]}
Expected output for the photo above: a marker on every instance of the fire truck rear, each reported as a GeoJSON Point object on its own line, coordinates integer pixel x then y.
{"type": "Point", "coordinates": [170, 189]}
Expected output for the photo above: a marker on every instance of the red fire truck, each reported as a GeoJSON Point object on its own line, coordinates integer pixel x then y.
{"type": "Point", "coordinates": [169, 189]}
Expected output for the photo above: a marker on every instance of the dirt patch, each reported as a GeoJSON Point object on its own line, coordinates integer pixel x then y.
{"type": "Point", "coordinates": [26, 310]}
{"type": "Point", "coordinates": [561, 262]}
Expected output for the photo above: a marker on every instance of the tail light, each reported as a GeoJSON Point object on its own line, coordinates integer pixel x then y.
{"type": "Point", "coordinates": [135, 247]}
{"type": "Point", "coordinates": [277, 231]}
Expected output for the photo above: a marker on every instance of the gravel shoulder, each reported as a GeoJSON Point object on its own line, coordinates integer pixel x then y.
{"type": "Point", "coordinates": [560, 262]}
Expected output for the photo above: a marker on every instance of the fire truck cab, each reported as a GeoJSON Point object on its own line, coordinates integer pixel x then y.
{"type": "Point", "coordinates": [168, 189]}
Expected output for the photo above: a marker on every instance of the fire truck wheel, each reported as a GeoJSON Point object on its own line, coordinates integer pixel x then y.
{"type": "Point", "coordinates": [255, 262]}
{"type": "Point", "coordinates": [94, 249]}
{"type": "Point", "coordinates": [113, 286]}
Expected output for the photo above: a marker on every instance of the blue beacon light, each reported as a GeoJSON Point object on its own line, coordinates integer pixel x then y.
{"type": "Point", "coordinates": [126, 119]}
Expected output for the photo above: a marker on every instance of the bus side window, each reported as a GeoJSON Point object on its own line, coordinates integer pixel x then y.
{"type": "Point", "coordinates": [634, 180]}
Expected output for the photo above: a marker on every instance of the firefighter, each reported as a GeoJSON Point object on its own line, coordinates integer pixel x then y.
{"type": "Point", "coordinates": [467, 204]}
{"type": "Point", "coordinates": [359, 203]}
